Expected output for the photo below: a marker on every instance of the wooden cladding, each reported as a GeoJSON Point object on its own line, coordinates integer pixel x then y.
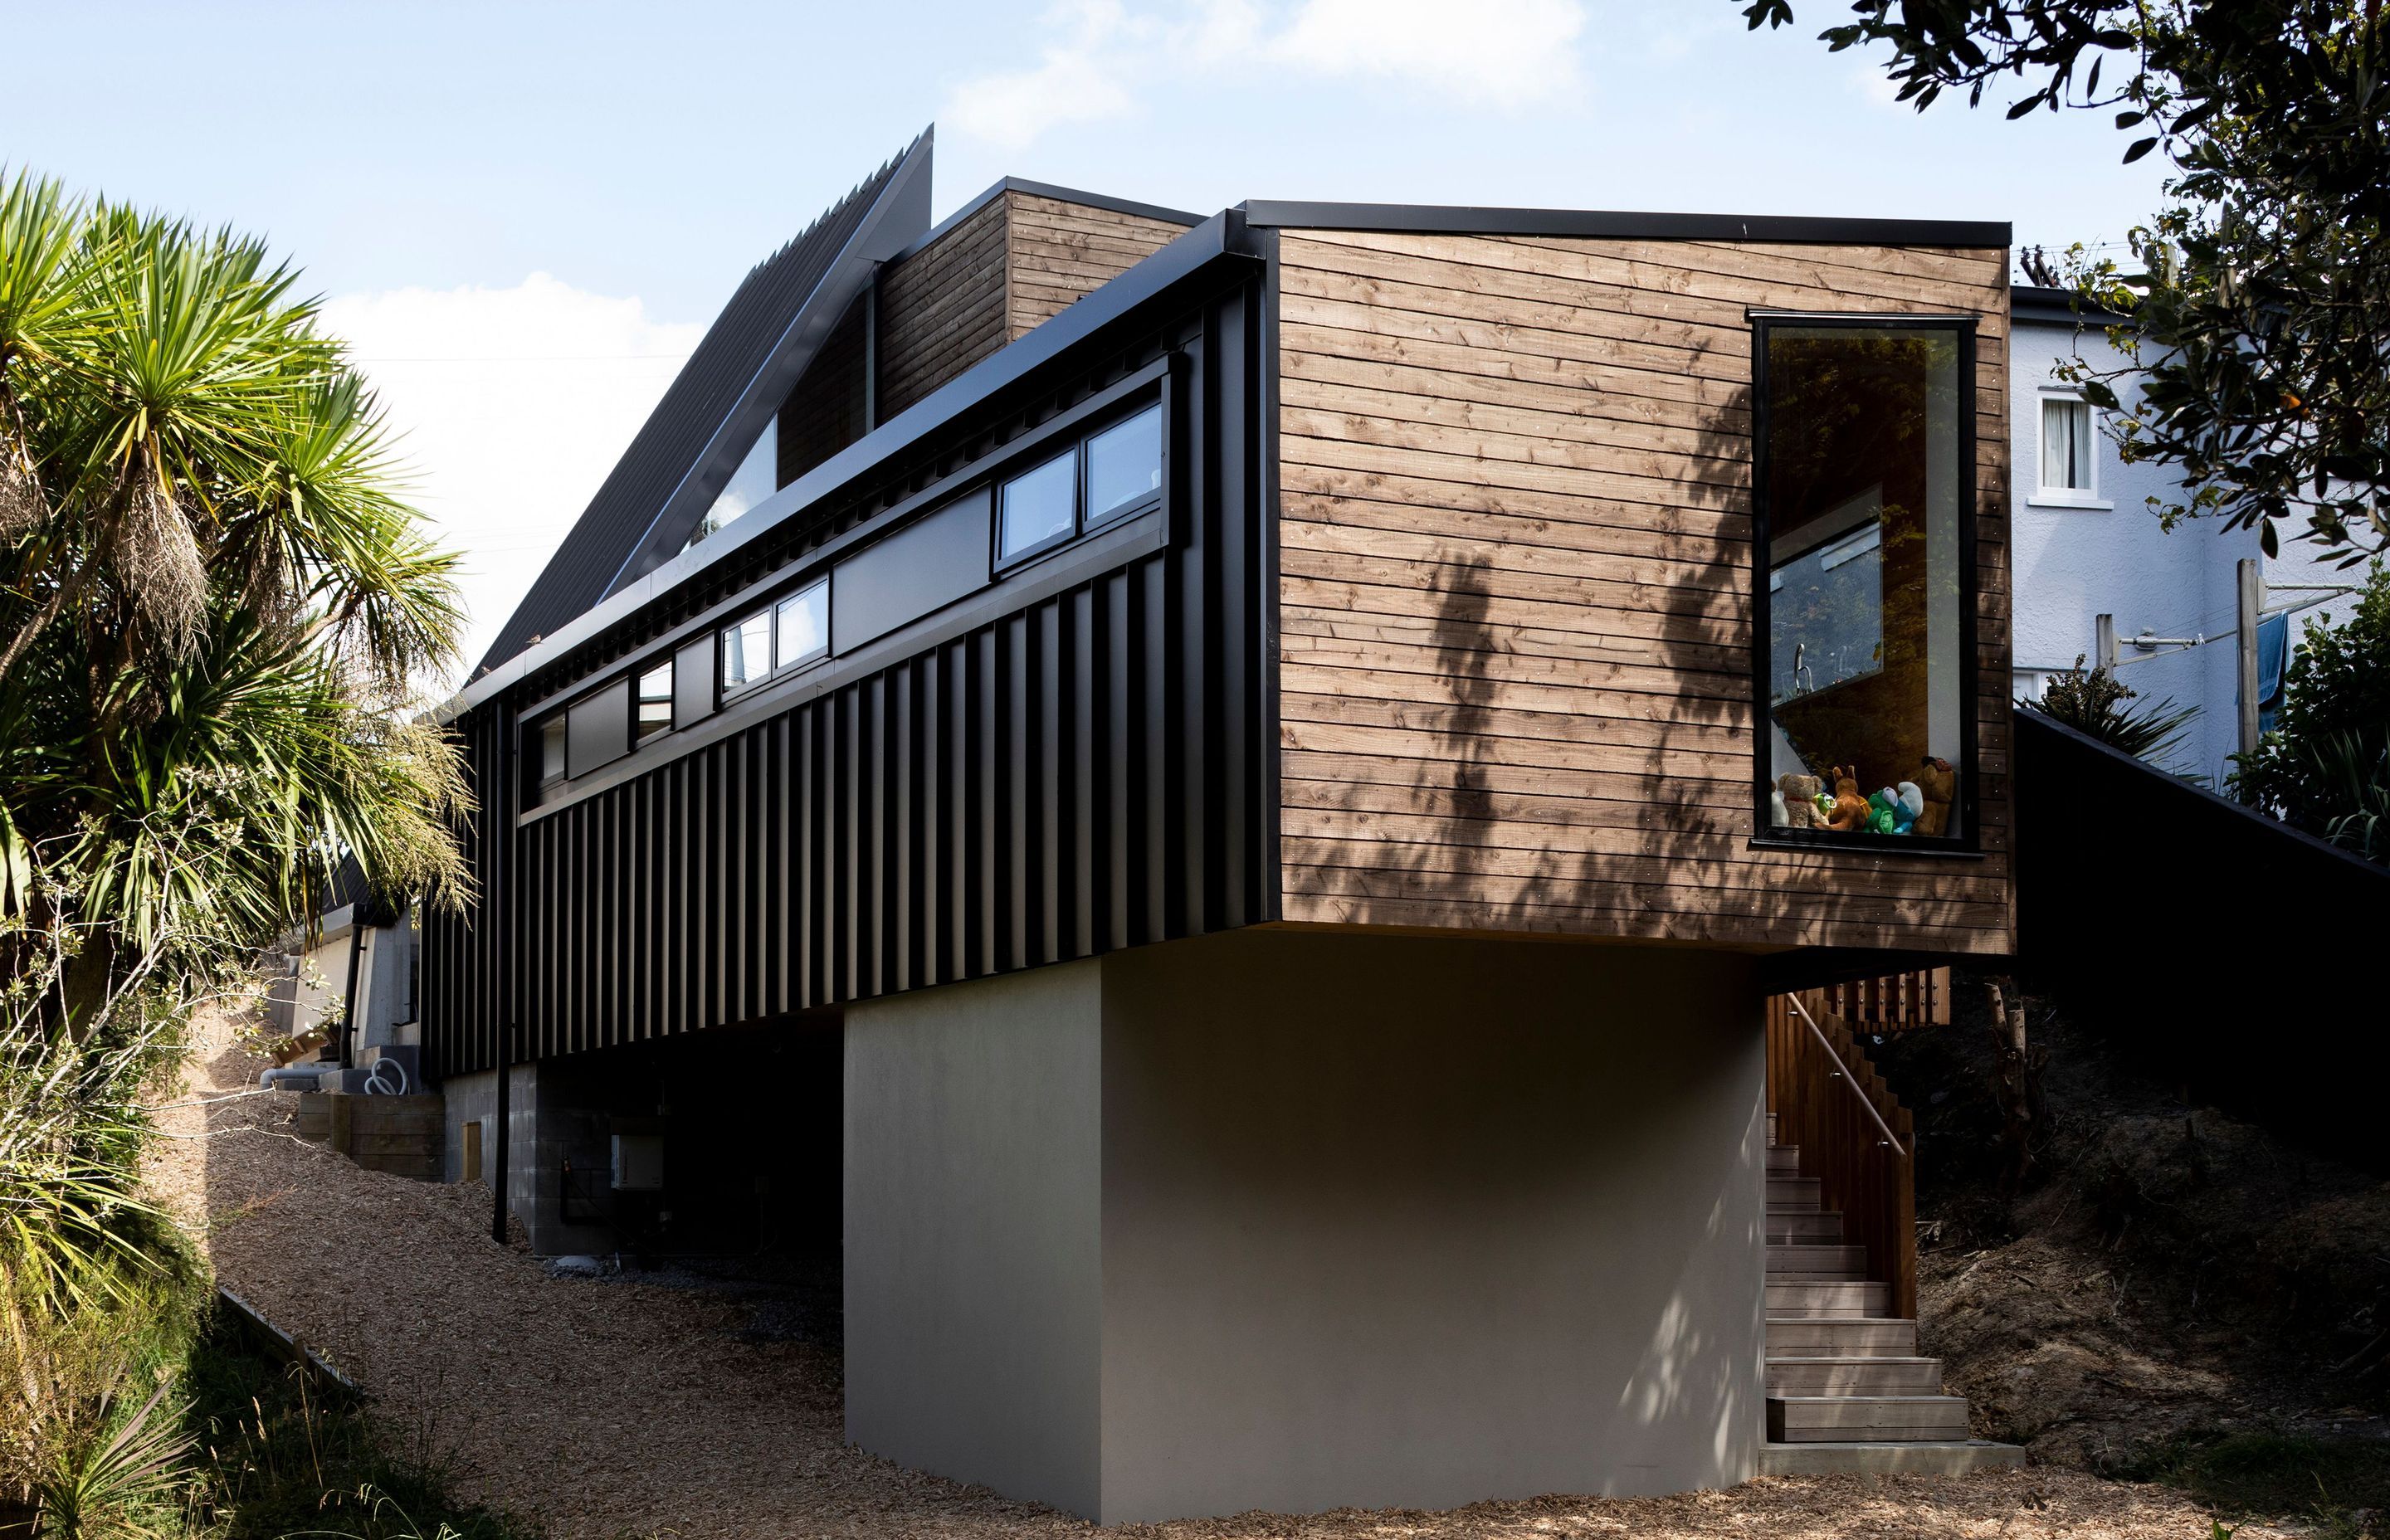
{"type": "Point", "coordinates": [1514, 602]}
{"type": "Point", "coordinates": [1001, 270]}
{"type": "Point", "coordinates": [1081, 774]}
{"type": "Point", "coordinates": [1061, 253]}
{"type": "Point", "coordinates": [942, 309]}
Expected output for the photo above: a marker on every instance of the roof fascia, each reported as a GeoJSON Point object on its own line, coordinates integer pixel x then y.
{"type": "Point", "coordinates": [896, 216]}
{"type": "Point", "coordinates": [2033, 302]}
{"type": "Point", "coordinates": [1790, 229]}
{"type": "Point", "coordinates": [1150, 284]}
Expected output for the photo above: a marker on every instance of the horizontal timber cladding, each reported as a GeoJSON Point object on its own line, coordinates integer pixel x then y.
{"type": "Point", "coordinates": [1082, 773]}
{"type": "Point", "coordinates": [1059, 252]}
{"type": "Point", "coordinates": [998, 272]}
{"type": "Point", "coordinates": [1514, 590]}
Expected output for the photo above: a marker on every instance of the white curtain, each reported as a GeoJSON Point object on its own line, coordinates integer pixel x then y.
{"type": "Point", "coordinates": [2066, 446]}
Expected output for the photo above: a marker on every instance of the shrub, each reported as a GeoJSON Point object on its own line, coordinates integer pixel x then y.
{"type": "Point", "coordinates": [2093, 701]}
{"type": "Point", "coordinates": [2321, 769]}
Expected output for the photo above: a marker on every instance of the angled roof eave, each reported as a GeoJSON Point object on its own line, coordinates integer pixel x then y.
{"type": "Point", "coordinates": [764, 337]}
{"type": "Point", "coordinates": [1153, 281]}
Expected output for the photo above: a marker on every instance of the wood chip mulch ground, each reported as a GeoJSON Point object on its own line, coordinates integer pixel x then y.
{"type": "Point", "coordinates": [622, 1408]}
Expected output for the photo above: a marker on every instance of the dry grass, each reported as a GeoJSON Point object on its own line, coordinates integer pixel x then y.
{"type": "Point", "coordinates": [627, 1409]}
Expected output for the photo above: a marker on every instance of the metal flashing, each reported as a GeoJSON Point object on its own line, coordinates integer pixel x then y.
{"type": "Point", "coordinates": [1461, 220]}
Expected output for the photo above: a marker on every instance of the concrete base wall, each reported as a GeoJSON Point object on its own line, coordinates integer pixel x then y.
{"type": "Point", "coordinates": [1367, 1222]}
{"type": "Point", "coordinates": [974, 1256]}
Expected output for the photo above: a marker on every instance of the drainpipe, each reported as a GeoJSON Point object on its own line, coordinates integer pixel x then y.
{"type": "Point", "coordinates": [497, 898]}
{"type": "Point", "coordinates": [348, 1000]}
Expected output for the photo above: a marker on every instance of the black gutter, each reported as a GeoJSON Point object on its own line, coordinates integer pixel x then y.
{"type": "Point", "coordinates": [1434, 219]}
{"type": "Point", "coordinates": [2033, 302]}
{"type": "Point", "coordinates": [1152, 283]}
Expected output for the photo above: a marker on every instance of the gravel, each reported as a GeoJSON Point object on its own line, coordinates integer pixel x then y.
{"type": "Point", "coordinates": [686, 1402]}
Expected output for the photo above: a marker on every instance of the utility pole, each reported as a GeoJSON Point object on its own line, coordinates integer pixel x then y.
{"type": "Point", "coordinates": [2252, 604]}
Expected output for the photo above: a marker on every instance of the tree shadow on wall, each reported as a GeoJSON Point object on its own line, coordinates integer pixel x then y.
{"type": "Point", "coordinates": [1569, 850]}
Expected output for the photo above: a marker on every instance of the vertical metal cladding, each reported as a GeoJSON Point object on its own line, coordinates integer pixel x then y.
{"type": "Point", "coordinates": [1080, 775]}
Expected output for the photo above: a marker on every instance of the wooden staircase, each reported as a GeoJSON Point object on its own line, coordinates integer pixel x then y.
{"type": "Point", "coordinates": [1846, 1391]}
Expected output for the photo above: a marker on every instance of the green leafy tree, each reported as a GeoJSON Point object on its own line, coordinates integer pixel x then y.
{"type": "Point", "coordinates": [2260, 331]}
{"type": "Point", "coordinates": [214, 609]}
{"type": "Point", "coordinates": [212, 604]}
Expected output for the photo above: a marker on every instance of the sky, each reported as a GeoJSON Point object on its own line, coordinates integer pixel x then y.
{"type": "Point", "coordinates": [523, 216]}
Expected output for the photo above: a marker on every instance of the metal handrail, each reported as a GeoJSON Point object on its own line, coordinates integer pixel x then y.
{"type": "Point", "coordinates": [1844, 1074]}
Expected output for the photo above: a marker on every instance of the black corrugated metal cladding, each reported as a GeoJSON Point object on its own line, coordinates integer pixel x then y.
{"type": "Point", "coordinates": [1082, 774]}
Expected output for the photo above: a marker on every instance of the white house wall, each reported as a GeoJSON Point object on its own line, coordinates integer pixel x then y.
{"type": "Point", "coordinates": [2074, 564]}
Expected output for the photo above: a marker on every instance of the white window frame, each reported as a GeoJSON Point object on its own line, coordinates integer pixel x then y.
{"type": "Point", "coordinates": [2046, 495]}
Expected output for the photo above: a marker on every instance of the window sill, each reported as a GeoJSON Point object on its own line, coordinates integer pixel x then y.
{"type": "Point", "coordinates": [2045, 500]}
{"type": "Point", "coordinates": [1884, 844]}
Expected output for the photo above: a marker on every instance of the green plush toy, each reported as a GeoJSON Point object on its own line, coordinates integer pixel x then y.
{"type": "Point", "coordinates": [1883, 813]}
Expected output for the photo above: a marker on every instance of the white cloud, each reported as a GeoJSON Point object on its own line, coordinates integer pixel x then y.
{"type": "Point", "coordinates": [1077, 81]}
{"type": "Point", "coordinates": [1501, 52]}
{"type": "Point", "coordinates": [514, 403]}
{"type": "Point", "coordinates": [1490, 53]}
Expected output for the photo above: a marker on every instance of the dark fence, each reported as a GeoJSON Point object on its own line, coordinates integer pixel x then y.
{"type": "Point", "coordinates": [2229, 952]}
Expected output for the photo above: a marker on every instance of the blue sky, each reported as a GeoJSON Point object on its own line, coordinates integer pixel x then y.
{"type": "Point", "coordinates": [523, 214]}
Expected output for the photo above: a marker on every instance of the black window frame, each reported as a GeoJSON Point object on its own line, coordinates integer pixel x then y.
{"type": "Point", "coordinates": [781, 667]}
{"type": "Point", "coordinates": [770, 613]}
{"type": "Point", "coordinates": [1082, 525]}
{"type": "Point", "coordinates": [1967, 807]}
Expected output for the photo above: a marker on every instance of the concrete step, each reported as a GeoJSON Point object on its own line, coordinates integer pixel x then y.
{"type": "Point", "coordinates": [1816, 1261]}
{"type": "Point", "coordinates": [1795, 1300]}
{"type": "Point", "coordinates": [1825, 1226]}
{"type": "Point", "coordinates": [1841, 1459]}
{"type": "Point", "coordinates": [1866, 1419]}
{"type": "Point", "coordinates": [1793, 1195]}
{"type": "Point", "coordinates": [1811, 1337]}
{"type": "Point", "coordinates": [1881, 1374]}
{"type": "Point", "coordinates": [1784, 1159]}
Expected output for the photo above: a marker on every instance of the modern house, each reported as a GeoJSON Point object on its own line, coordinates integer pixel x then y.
{"type": "Point", "coordinates": [1212, 805]}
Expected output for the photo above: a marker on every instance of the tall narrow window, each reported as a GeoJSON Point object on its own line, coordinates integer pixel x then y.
{"type": "Point", "coordinates": [2067, 467]}
{"type": "Point", "coordinates": [1863, 469]}
{"type": "Point", "coordinates": [653, 703]}
{"type": "Point", "coordinates": [801, 625]}
{"type": "Point", "coordinates": [551, 749]}
{"type": "Point", "coordinates": [746, 651]}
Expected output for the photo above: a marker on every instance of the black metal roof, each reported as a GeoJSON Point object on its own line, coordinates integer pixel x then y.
{"type": "Point", "coordinates": [736, 378]}
{"type": "Point", "coordinates": [2033, 302]}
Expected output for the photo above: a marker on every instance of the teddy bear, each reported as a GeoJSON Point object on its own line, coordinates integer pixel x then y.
{"type": "Point", "coordinates": [1850, 809]}
{"type": "Point", "coordinates": [1794, 803]}
{"type": "Point", "coordinates": [1938, 784]}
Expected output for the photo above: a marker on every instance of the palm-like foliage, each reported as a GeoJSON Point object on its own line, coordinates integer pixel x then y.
{"type": "Point", "coordinates": [213, 605]}
{"type": "Point", "coordinates": [213, 600]}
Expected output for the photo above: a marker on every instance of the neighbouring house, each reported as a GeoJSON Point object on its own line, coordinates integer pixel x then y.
{"type": "Point", "coordinates": [1212, 805]}
{"type": "Point", "coordinates": [2088, 544]}
{"type": "Point", "coordinates": [349, 979]}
